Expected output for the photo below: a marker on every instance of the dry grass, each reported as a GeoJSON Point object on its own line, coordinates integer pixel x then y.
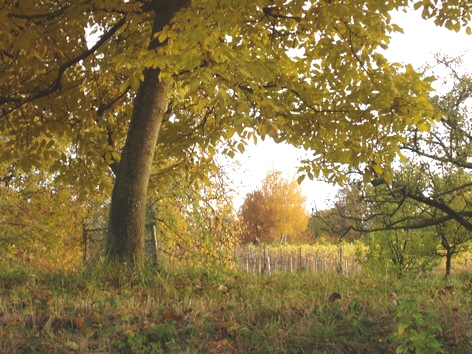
{"type": "Point", "coordinates": [212, 311]}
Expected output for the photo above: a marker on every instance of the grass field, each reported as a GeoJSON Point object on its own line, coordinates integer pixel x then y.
{"type": "Point", "coordinates": [214, 311]}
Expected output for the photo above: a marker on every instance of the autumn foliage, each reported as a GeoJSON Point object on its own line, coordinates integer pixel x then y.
{"type": "Point", "coordinates": [275, 213]}
{"type": "Point", "coordinates": [195, 222]}
{"type": "Point", "coordinates": [40, 226]}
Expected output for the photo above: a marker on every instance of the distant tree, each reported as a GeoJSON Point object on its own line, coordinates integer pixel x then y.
{"type": "Point", "coordinates": [254, 218]}
{"type": "Point", "coordinates": [452, 189]}
{"type": "Point", "coordinates": [335, 223]}
{"type": "Point", "coordinates": [399, 249]}
{"type": "Point", "coordinates": [319, 225]}
{"type": "Point", "coordinates": [276, 212]}
{"type": "Point", "coordinates": [407, 230]}
{"type": "Point", "coordinates": [454, 239]}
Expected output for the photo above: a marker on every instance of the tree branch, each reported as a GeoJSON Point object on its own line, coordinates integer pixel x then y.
{"type": "Point", "coordinates": [56, 84]}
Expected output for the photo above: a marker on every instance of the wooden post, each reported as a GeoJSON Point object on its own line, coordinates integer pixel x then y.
{"type": "Point", "coordinates": [155, 256]}
{"type": "Point", "coordinates": [265, 266]}
{"type": "Point", "coordinates": [84, 239]}
{"type": "Point", "coordinates": [299, 258]}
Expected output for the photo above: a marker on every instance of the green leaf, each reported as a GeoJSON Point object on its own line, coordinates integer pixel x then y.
{"type": "Point", "coordinates": [402, 326]}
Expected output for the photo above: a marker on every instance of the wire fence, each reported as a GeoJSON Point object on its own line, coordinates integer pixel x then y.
{"type": "Point", "coordinates": [94, 243]}
{"type": "Point", "coordinates": [261, 259]}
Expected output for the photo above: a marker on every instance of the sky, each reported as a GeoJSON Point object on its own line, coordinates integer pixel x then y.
{"type": "Point", "coordinates": [420, 41]}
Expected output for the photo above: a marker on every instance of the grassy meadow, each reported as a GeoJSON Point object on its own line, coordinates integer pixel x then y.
{"type": "Point", "coordinates": [190, 310]}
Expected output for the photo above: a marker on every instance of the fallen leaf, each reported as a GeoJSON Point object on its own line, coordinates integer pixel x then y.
{"type": "Point", "coordinates": [334, 296]}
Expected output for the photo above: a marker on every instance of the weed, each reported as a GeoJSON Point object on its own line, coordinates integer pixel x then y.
{"type": "Point", "coordinates": [418, 329]}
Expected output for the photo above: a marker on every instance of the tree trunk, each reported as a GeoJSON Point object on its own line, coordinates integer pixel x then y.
{"type": "Point", "coordinates": [448, 263]}
{"type": "Point", "coordinates": [126, 229]}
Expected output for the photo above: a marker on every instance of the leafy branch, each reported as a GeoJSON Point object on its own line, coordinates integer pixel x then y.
{"type": "Point", "coordinates": [56, 84]}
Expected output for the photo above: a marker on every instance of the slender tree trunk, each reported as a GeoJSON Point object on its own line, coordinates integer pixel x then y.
{"type": "Point", "coordinates": [448, 263]}
{"type": "Point", "coordinates": [449, 249]}
{"type": "Point", "coordinates": [125, 239]}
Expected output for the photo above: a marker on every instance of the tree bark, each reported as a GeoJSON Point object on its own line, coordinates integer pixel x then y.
{"type": "Point", "coordinates": [449, 255]}
{"type": "Point", "coordinates": [126, 229]}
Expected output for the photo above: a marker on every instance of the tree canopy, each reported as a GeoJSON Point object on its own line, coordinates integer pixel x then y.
{"type": "Point", "coordinates": [430, 194]}
{"type": "Point", "coordinates": [88, 85]}
{"type": "Point", "coordinates": [275, 213]}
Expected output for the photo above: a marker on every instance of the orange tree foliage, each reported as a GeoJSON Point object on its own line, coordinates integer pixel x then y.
{"type": "Point", "coordinates": [254, 217]}
{"type": "Point", "coordinates": [274, 213]}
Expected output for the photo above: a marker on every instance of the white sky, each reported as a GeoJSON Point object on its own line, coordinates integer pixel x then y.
{"type": "Point", "coordinates": [421, 39]}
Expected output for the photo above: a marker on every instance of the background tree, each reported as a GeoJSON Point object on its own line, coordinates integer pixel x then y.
{"type": "Point", "coordinates": [254, 217]}
{"type": "Point", "coordinates": [340, 221]}
{"type": "Point", "coordinates": [320, 225]}
{"type": "Point", "coordinates": [407, 231]}
{"type": "Point", "coordinates": [276, 212]}
{"type": "Point", "coordinates": [444, 159]}
{"type": "Point", "coordinates": [197, 73]}
{"type": "Point", "coordinates": [393, 248]}
{"type": "Point", "coordinates": [430, 190]}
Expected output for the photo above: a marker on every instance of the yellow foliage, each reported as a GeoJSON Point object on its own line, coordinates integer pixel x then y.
{"type": "Point", "coordinates": [276, 213]}
{"type": "Point", "coordinates": [196, 223]}
{"type": "Point", "coordinates": [40, 227]}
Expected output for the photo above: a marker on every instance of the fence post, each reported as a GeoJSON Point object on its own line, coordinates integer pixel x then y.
{"type": "Point", "coordinates": [155, 257]}
{"type": "Point", "coordinates": [300, 258]}
{"type": "Point", "coordinates": [84, 240]}
{"type": "Point", "coordinates": [264, 267]}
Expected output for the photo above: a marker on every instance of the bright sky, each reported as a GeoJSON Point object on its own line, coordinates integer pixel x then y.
{"type": "Point", "coordinates": [421, 39]}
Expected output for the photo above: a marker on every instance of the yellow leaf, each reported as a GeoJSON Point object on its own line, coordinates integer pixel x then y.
{"type": "Point", "coordinates": [424, 127]}
{"type": "Point", "coordinates": [134, 82]}
{"type": "Point", "coordinates": [378, 170]}
{"type": "Point", "coordinates": [402, 157]}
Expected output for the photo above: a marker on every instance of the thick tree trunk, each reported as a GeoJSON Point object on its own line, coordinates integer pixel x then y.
{"type": "Point", "coordinates": [126, 225]}
{"type": "Point", "coordinates": [125, 239]}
